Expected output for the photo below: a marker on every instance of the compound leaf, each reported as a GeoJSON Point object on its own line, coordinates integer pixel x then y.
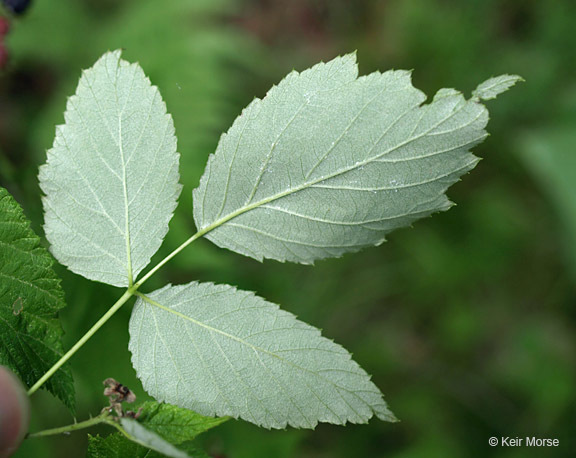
{"type": "Point", "coordinates": [329, 162]}
{"type": "Point", "coordinates": [111, 178]}
{"type": "Point", "coordinates": [220, 351]}
{"type": "Point", "coordinates": [30, 298]}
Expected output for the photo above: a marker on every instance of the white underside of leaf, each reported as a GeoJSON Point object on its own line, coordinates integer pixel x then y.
{"type": "Point", "coordinates": [221, 351]}
{"type": "Point", "coordinates": [111, 178]}
{"type": "Point", "coordinates": [329, 163]}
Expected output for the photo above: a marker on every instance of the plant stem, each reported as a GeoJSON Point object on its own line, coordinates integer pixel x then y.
{"type": "Point", "coordinates": [127, 295]}
{"type": "Point", "coordinates": [170, 256]}
{"type": "Point", "coordinates": [133, 288]}
{"type": "Point", "coordinates": [102, 418]}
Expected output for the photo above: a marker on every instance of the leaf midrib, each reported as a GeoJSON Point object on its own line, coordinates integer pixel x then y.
{"type": "Point", "coordinates": [339, 172]}
{"type": "Point", "coordinates": [241, 341]}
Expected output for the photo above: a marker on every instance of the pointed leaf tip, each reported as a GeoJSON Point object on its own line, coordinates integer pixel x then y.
{"type": "Point", "coordinates": [493, 87]}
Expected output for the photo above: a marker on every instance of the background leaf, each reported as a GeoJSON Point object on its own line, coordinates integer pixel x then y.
{"type": "Point", "coordinates": [139, 434]}
{"type": "Point", "coordinates": [30, 298]}
{"type": "Point", "coordinates": [175, 424]}
{"type": "Point", "coordinates": [549, 154]}
{"type": "Point", "coordinates": [171, 423]}
{"type": "Point", "coordinates": [111, 178]}
{"type": "Point", "coordinates": [119, 446]}
{"type": "Point", "coordinates": [328, 163]}
{"type": "Point", "coordinates": [221, 351]}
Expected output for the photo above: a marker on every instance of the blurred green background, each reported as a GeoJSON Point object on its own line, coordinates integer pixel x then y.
{"type": "Point", "coordinates": [466, 321]}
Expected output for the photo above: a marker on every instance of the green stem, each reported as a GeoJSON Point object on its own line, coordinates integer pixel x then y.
{"type": "Point", "coordinates": [119, 303]}
{"type": "Point", "coordinates": [134, 287]}
{"type": "Point", "coordinates": [102, 418]}
{"type": "Point", "coordinates": [170, 256]}
{"type": "Point", "coordinates": [127, 295]}
{"type": "Point", "coordinates": [196, 236]}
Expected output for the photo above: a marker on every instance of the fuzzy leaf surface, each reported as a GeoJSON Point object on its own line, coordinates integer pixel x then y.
{"type": "Point", "coordinates": [220, 351]}
{"type": "Point", "coordinates": [329, 163]}
{"type": "Point", "coordinates": [111, 177]}
{"type": "Point", "coordinates": [30, 298]}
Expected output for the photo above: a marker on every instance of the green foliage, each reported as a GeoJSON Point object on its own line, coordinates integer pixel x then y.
{"type": "Point", "coordinates": [158, 426]}
{"type": "Point", "coordinates": [119, 446]}
{"type": "Point", "coordinates": [30, 298]}
{"type": "Point", "coordinates": [135, 440]}
{"type": "Point", "coordinates": [221, 351]}
{"type": "Point", "coordinates": [142, 436]}
{"type": "Point", "coordinates": [111, 179]}
{"type": "Point", "coordinates": [549, 153]}
{"type": "Point", "coordinates": [175, 424]}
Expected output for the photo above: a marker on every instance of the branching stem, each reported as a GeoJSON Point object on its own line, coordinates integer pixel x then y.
{"type": "Point", "coordinates": [158, 266]}
{"type": "Point", "coordinates": [131, 291]}
{"type": "Point", "coordinates": [102, 418]}
{"type": "Point", "coordinates": [117, 305]}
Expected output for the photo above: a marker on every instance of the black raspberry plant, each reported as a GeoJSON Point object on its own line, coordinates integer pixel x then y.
{"type": "Point", "coordinates": [327, 163]}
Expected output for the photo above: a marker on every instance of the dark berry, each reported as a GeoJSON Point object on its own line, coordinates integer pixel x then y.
{"type": "Point", "coordinates": [17, 6]}
{"type": "Point", "coordinates": [4, 26]}
{"type": "Point", "coordinates": [3, 56]}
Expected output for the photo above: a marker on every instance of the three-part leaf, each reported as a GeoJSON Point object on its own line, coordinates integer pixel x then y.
{"type": "Point", "coordinates": [329, 162]}
{"type": "Point", "coordinates": [30, 298]}
{"type": "Point", "coordinates": [111, 178]}
{"type": "Point", "coordinates": [220, 351]}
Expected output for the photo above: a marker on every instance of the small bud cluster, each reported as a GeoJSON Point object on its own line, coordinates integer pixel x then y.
{"type": "Point", "coordinates": [117, 394]}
